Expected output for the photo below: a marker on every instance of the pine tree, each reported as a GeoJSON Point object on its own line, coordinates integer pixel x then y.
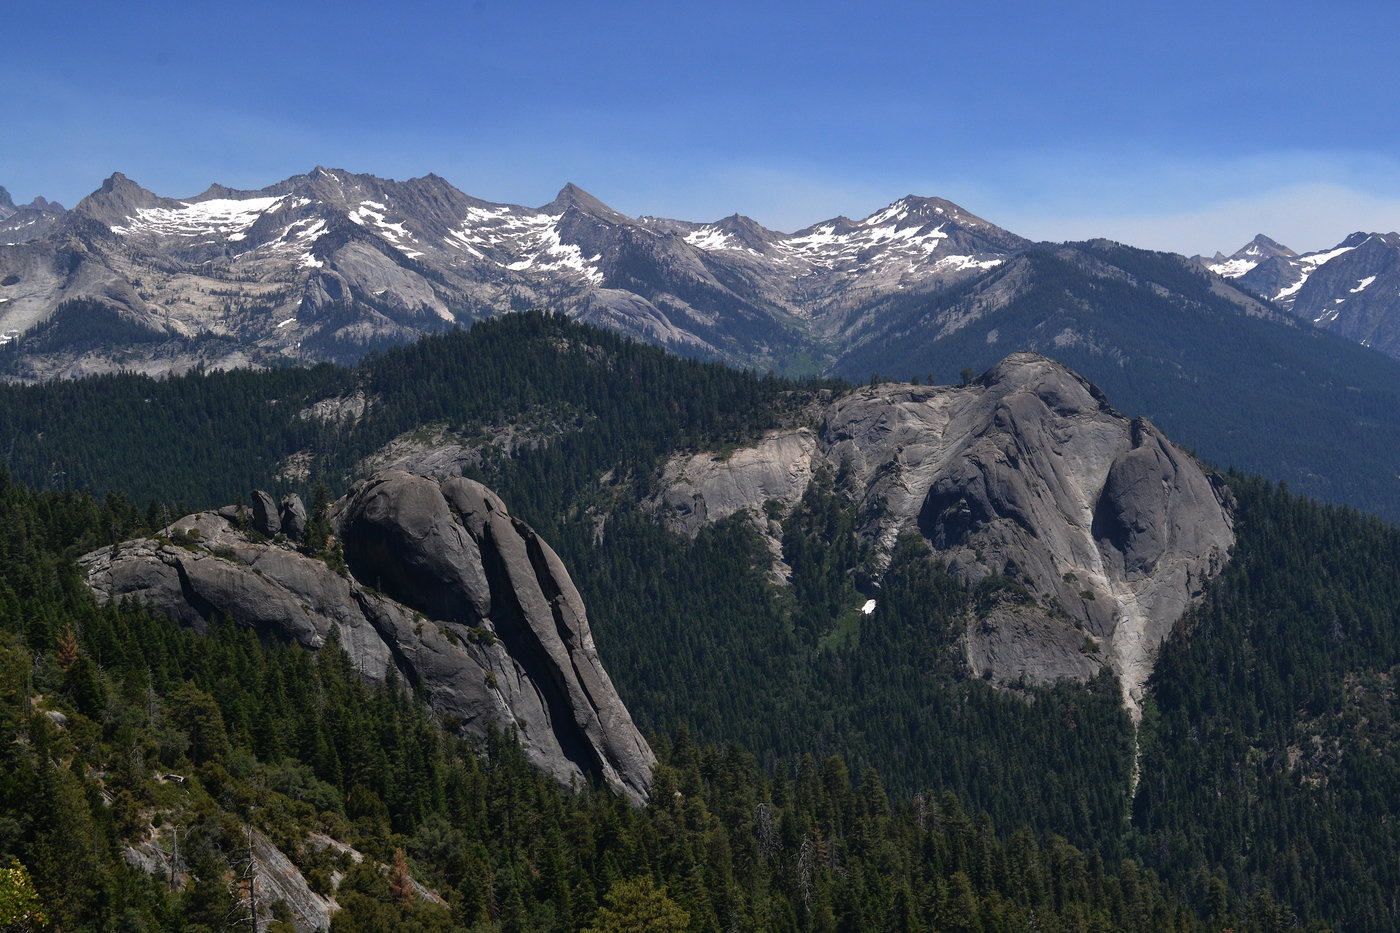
{"type": "Point", "coordinates": [639, 906]}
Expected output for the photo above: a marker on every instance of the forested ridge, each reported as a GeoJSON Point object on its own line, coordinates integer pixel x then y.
{"type": "Point", "coordinates": [1269, 767]}
{"type": "Point", "coordinates": [1272, 735]}
{"type": "Point", "coordinates": [206, 439]}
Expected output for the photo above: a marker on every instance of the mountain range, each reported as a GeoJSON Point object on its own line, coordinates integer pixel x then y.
{"type": "Point", "coordinates": [1352, 289]}
{"type": "Point", "coordinates": [258, 275]}
{"type": "Point", "coordinates": [331, 265]}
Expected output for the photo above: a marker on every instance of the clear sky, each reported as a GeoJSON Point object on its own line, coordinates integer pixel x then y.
{"type": "Point", "coordinates": [1187, 125]}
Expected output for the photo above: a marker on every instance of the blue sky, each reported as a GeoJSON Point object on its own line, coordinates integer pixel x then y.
{"type": "Point", "coordinates": [1187, 126]}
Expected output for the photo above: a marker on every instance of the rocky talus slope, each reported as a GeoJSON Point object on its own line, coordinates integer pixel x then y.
{"type": "Point", "coordinates": [1027, 472]}
{"type": "Point", "coordinates": [443, 585]}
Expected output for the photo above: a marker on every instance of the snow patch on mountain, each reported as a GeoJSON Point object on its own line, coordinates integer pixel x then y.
{"type": "Point", "coordinates": [396, 234]}
{"type": "Point", "coordinates": [1233, 268]}
{"type": "Point", "coordinates": [1311, 262]}
{"type": "Point", "coordinates": [224, 217]}
{"type": "Point", "coordinates": [826, 245]}
{"type": "Point", "coordinates": [968, 262]}
{"type": "Point", "coordinates": [1317, 259]}
{"type": "Point", "coordinates": [553, 255]}
{"type": "Point", "coordinates": [519, 239]}
{"type": "Point", "coordinates": [708, 238]}
{"type": "Point", "coordinates": [1289, 291]}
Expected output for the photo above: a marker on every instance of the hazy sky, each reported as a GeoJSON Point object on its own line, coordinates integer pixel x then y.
{"type": "Point", "coordinates": [1188, 126]}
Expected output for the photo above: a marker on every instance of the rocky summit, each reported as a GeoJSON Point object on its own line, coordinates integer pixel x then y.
{"type": "Point", "coordinates": [1108, 528]}
{"type": "Point", "coordinates": [442, 585]}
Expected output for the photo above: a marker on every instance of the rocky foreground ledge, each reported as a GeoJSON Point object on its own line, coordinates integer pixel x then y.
{"type": "Point", "coordinates": [441, 584]}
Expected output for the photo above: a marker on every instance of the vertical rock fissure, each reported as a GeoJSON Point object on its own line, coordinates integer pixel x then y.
{"type": "Point", "coordinates": [554, 596]}
{"type": "Point", "coordinates": [387, 634]}
{"type": "Point", "coordinates": [526, 648]}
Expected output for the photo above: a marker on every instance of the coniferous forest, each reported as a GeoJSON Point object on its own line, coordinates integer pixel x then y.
{"type": "Point", "coordinates": [820, 770]}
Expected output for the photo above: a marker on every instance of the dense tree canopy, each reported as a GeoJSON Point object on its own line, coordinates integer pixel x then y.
{"type": "Point", "coordinates": [1267, 763]}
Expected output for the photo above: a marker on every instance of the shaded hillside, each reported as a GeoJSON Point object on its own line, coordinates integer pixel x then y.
{"type": "Point", "coordinates": [205, 439]}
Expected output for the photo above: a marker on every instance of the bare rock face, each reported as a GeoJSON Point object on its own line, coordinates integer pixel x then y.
{"type": "Point", "coordinates": [278, 878]}
{"type": "Point", "coordinates": [444, 586]}
{"type": "Point", "coordinates": [292, 516]}
{"type": "Point", "coordinates": [1027, 473]}
{"type": "Point", "coordinates": [267, 518]}
{"type": "Point", "coordinates": [706, 487]}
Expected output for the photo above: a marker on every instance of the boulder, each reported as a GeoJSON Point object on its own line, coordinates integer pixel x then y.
{"type": "Point", "coordinates": [267, 519]}
{"type": "Point", "coordinates": [293, 516]}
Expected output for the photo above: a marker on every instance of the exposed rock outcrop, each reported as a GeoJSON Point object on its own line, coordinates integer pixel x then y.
{"type": "Point", "coordinates": [704, 488]}
{"type": "Point", "coordinates": [267, 518]}
{"type": "Point", "coordinates": [1027, 472]}
{"type": "Point", "coordinates": [707, 487]}
{"type": "Point", "coordinates": [444, 585]}
{"type": "Point", "coordinates": [292, 515]}
{"type": "Point", "coordinates": [278, 877]}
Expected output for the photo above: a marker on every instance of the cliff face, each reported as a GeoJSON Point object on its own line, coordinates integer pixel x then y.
{"type": "Point", "coordinates": [444, 586]}
{"type": "Point", "coordinates": [1027, 472]}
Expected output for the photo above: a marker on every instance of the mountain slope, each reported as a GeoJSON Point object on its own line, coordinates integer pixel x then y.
{"type": "Point", "coordinates": [1026, 473]}
{"type": "Point", "coordinates": [231, 759]}
{"type": "Point", "coordinates": [1352, 290]}
{"type": "Point", "coordinates": [1254, 389]}
{"type": "Point", "coordinates": [1270, 708]}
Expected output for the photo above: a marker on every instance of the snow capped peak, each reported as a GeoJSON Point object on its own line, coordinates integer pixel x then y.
{"type": "Point", "coordinates": [1265, 244]}
{"type": "Point", "coordinates": [896, 212]}
{"type": "Point", "coordinates": [913, 209]}
{"type": "Point", "coordinates": [572, 196]}
{"type": "Point", "coordinates": [1248, 257]}
{"type": "Point", "coordinates": [910, 237]}
{"type": "Point", "coordinates": [735, 232]}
